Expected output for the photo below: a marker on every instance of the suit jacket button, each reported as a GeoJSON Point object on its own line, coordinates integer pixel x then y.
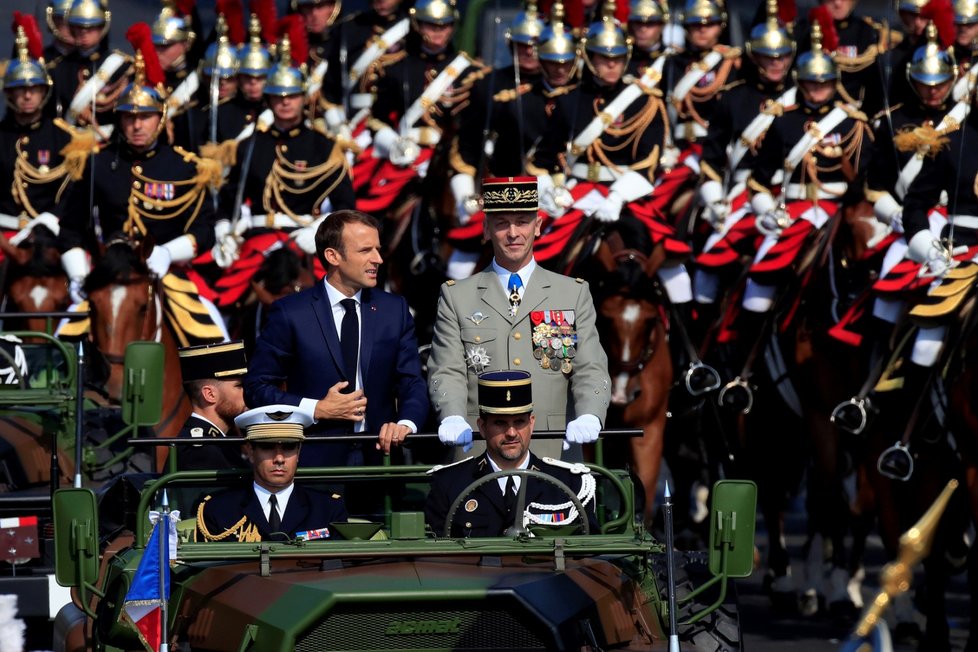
{"type": "Point", "coordinates": [517, 335]}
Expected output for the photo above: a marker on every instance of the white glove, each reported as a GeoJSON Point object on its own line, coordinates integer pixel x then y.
{"type": "Point", "coordinates": [226, 251]}
{"type": "Point", "coordinates": [75, 290]}
{"type": "Point", "coordinates": [47, 219]}
{"type": "Point", "coordinates": [466, 201]}
{"type": "Point", "coordinates": [609, 210]}
{"type": "Point", "coordinates": [455, 431]}
{"type": "Point", "coordinates": [583, 430]}
{"type": "Point", "coordinates": [404, 152]}
{"type": "Point", "coordinates": [305, 237]}
{"type": "Point", "coordinates": [715, 208]}
{"type": "Point", "coordinates": [554, 200]}
{"type": "Point", "coordinates": [221, 229]}
{"type": "Point", "coordinates": [761, 203]}
{"type": "Point", "coordinates": [384, 142]}
{"type": "Point", "coordinates": [669, 158]}
{"type": "Point", "coordinates": [159, 261]}
{"type": "Point", "coordinates": [924, 248]}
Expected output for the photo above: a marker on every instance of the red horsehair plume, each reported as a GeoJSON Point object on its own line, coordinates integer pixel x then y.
{"type": "Point", "coordinates": [787, 11]}
{"type": "Point", "coordinates": [293, 27]}
{"type": "Point", "coordinates": [35, 44]}
{"type": "Point", "coordinates": [185, 7]}
{"type": "Point", "coordinates": [830, 37]}
{"type": "Point", "coordinates": [140, 35]}
{"type": "Point", "coordinates": [621, 11]}
{"type": "Point", "coordinates": [267, 17]}
{"type": "Point", "coordinates": [941, 13]}
{"type": "Point", "coordinates": [233, 12]}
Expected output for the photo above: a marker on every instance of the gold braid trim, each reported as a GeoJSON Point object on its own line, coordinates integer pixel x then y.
{"type": "Point", "coordinates": [241, 530]}
{"type": "Point", "coordinates": [858, 62]}
{"type": "Point", "coordinates": [709, 172]}
{"type": "Point", "coordinates": [26, 175]}
{"type": "Point", "coordinates": [630, 131]}
{"type": "Point", "coordinates": [225, 153]}
{"type": "Point", "coordinates": [84, 143]}
{"type": "Point", "coordinates": [287, 179]}
{"type": "Point", "coordinates": [510, 94]}
{"type": "Point", "coordinates": [457, 162]}
{"type": "Point", "coordinates": [210, 174]}
{"type": "Point", "coordinates": [141, 205]}
{"type": "Point", "coordinates": [925, 140]}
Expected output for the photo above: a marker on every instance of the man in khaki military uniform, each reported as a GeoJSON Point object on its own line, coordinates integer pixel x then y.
{"type": "Point", "coordinates": [517, 315]}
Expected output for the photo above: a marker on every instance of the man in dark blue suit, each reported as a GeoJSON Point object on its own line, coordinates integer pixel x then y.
{"type": "Point", "coordinates": [345, 351]}
{"type": "Point", "coordinates": [272, 507]}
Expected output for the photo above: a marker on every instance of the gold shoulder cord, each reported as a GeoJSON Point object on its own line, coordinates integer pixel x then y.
{"type": "Point", "coordinates": [631, 131]}
{"type": "Point", "coordinates": [243, 532]}
{"type": "Point", "coordinates": [698, 95]}
{"type": "Point", "coordinates": [286, 180]}
{"type": "Point", "coordinates": [26, 175]}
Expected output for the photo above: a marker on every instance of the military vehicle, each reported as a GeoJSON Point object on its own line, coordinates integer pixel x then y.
{"type": "Point", "coordinates": [393, 584]}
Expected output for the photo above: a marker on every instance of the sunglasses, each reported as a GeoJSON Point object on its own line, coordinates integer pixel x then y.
{"type": "Point", "coordinates": [268, 446]}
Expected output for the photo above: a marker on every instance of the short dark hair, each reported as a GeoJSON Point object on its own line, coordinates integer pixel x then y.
{"type": "Point", "coordinates": [330, 232]}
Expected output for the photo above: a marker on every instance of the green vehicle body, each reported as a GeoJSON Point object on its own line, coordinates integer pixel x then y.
{"type": "Point", "coordinates": [402, 588]}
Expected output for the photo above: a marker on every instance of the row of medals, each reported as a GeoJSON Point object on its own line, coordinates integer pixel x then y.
{"type": "Point", "coordinates": [553, 349]}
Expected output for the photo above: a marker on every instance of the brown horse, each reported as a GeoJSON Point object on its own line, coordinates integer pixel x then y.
{"type": "Point", "coordinates": [126, 304]}
{"type": "Point", "coordinates": [33, 278]}
{"type": "Point", "coordinates": [631, 321]}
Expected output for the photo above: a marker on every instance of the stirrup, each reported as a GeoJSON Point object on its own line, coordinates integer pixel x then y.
{"type": "Point", "coordinates": [852, 415]}
{"type": "Point", "coordinates": [701, 378]}
{"type": "Point", "coordinates": [896, 462]}
{"type": "Point", "coordinates": [737, 389]}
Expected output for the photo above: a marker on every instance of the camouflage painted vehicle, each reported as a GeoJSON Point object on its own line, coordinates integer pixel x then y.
{"type": "Point", "coordinates": [395, 585]}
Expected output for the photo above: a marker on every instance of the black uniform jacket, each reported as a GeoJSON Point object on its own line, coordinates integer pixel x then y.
{"type": "Point", "coordinates": [39, 145]}
{"type": "Point", "coordinates": [953, 170]}
{"type": "Point", "coordinates": [236, 515]}
{"type": "Point", "coordinates": [200, 455]}
{"type": "Point", "coordinates": [483, 513]}
{"type": "Point", "coordinates": [121, 175]}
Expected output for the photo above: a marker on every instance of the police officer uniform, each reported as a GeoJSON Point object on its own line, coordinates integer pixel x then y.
{"type": "Point", "coordinates": [246, 513]}
{"type": "Point", "coordinates": [225, 361]}
{"type": "Point", "coordinates": [490, 509]}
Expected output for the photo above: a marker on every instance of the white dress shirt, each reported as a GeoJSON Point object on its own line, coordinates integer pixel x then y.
{"type": "Point", "coordinates": [281, 497]}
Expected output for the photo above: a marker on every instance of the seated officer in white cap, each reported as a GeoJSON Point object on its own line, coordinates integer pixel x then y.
{"type": "Point", "coordinates": [212, 377]}
{"type": "Point", "coordinates": [506, 423]}
{"type": "Point", "coordinates": [272, 507]}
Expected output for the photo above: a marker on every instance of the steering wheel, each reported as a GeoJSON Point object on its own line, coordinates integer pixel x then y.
{"type": "Point", "coordinates": [517, 527]}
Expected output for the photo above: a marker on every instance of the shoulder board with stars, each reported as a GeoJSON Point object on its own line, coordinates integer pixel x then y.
{"type": "Point", "coordinates": [576, 468]}
{"type": "Point", "coordinates": [438, 467]}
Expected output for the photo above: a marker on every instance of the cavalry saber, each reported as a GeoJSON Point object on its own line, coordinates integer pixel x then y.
{"type": "Point", "coordinates": [319, 439]}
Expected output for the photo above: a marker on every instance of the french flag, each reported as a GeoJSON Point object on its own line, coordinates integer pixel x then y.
{"type": "Point", "coordinates": [143, 606]}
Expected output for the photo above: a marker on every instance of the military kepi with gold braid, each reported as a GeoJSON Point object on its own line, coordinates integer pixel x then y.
{"type": "Point", "coordinates": [505, 392]}
{"type": "Point", "coordinates": [510, 195]}
{"type": "Point", "coordinates": [221, 361]}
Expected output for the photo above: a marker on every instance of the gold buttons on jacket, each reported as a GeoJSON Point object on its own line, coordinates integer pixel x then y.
{"type": "Point", "coordinates": [516, 361]}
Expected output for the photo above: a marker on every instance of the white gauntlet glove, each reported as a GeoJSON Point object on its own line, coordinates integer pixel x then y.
{"type": "Point", "coordinates": [583, 430]}
{"type": "Point", "coordinates": [466, 201]}
{"type": "Point", "coordinates": [455, 431]}
{"type": "Point", "coordinates": [889, 211]}
{"type": "Point", "coordinates": [76, 266]}
{"type": "Point", "coordinates": [404, 152]}
{"type": "Point", "coordinates": [715, 207]}
{"type": "Point", "coordinates": [76, 290]}
{"type": "Point", "coordinates": [609, 210]}
{"type": "Point", "coordinates": [384, 142]}
{"type": "Point", "coordinates": [45, 219]}
{"type": "Point", "coordinates": [305, 237]}
{"type": "Point", "coordinates": [159, 261]}
{"type": "Point", "coordinates": [225, 251]}
{"type": "Point", "coordinates": [924, 248]}
{"type": "Point", "coordinates": [554, 199]}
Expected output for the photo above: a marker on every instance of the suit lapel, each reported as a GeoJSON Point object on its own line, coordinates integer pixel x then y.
{"type": "Point", "coordinates": [296, 511]}
{"type": "Point", "coordinates": [252, 509]}
{"type": "Point", "coordinates": [491, 293]}
{"type": "Point", "coordinates": [368, 323]}
{"type": "Point", "coordinates": [537, 291]}
{"type": "Point", "coordinates": [324, 314]}
{"type": "Point", "coordinates": [489, 491]}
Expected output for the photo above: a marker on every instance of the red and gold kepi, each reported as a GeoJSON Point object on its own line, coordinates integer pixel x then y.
{"type": "Point", "coordinates": [510, 195]}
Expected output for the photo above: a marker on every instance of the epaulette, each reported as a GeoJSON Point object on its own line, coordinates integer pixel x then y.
{"type": "Point", "coordinates": [557, 92]}
{"type": "Point", "coordinates": [579, 279]}
{"type": "Point", "coordinates": [263, 127]}
{"type": "Point", "coordinates": [450, 282]}
{"type": "Point", "coordinates": [439, 467]}
{"type": "Point", "coordinates": [225, 153]}
{"type": "Point", "coordinates": [854, 113]}
{"type": "Point", "coordinates": [209, 171]}
{"type": "Point", "coordinates": [734, 84]}
{"type": "Point", "coordinates": [510, 94]}
{"type": "Point", "coordinates": [576, 468]}
{"type": "Point", "coordinates": [319, 126]}
{"type": "Point", "coordinates": [84, 142]}
{"type": "Point", "coordinates": [728, 52]}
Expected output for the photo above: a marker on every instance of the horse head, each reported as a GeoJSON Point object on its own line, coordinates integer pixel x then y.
{"type": "Point", "coordinates": [125, 303]}
{"type": "Point", "coordinates": [35, 281]}
{"type": "Point", "coordinates": [628, 307]}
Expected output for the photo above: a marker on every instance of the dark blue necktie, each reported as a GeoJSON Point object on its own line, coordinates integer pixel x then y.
{"type": "Point", "coordinates": [350, 343]}
{"type": "Point", "coordinates": [515, 283]}
{"type": "Point", "coordinates": [274, 518]}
